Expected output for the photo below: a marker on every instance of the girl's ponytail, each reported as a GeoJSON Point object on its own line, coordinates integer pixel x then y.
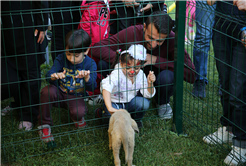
{"type": "Point", "coordinates": [118, 52]}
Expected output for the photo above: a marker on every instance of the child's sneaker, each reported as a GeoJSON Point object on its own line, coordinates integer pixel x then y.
{"type": "Point", "coordinates": [6, 110]}
{"type": "Point", "coordinates": [45, 133]}
{"type": "Point", "coordinates": [81, 123]}
{"type": "Point", "coordinates": [236, 156]}
{"type": "Point", "coordinates": [25, 125]}
{"type": "Point", "coordinates": [96, 100]}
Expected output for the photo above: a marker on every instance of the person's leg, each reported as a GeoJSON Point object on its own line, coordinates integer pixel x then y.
{"type": "Point", "coordinates": [137, 107]}
{"type": "Point", "coordinates": [164, 86]}
{"type": "Point", "coordinates": [60, 26]}
{"type": "Point", "coordinates": [77, 109]}
{"type": "Point", "coordinates": [10, 86]}
{"type": "Point", "coordinates": [103, 68]}
{"type": "Point", "coordinates": [238, 94]}
{"type": "Point", "coordinates": [30, 95]}
{"type": "Point", "coordinates": [204, 23]}
{"type": "Point", "coordinates": [237, 100]}
{"type": "Point", "coordinates": [222, 53]}
{"type": "Point", "coordinates": [50, 96]}
{"type": "Point", "coordinates": [164, 90]}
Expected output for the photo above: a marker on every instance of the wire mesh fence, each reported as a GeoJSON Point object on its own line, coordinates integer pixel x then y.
{"type": "Point", "coordinates": [199, 72]}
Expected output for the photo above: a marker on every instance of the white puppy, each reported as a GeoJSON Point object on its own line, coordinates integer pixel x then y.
{"type": "Point", "coordinates": [121, 130]}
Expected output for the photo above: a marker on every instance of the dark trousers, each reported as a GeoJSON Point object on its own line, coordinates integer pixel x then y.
{"type": "Point", "coordinates": [230, 63]}
{"type": "Point", "coordinates": [62, 22]}
{"type": "Point", "coordinates": [163, 84]}
{"type": "Point", "coordinates": [53, 96]}
{"type": "Point", "coordinates": [24, 87]}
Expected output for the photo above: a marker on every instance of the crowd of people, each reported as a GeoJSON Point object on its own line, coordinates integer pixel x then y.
{"type": "Point", "coordinates": [119, 56]}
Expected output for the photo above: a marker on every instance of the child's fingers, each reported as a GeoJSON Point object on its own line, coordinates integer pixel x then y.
{"type": "Point", "coordinates": [55, 76]}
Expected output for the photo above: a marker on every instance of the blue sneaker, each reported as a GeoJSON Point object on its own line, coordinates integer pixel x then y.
{"type": "Point", "coordinates": [199, 89]}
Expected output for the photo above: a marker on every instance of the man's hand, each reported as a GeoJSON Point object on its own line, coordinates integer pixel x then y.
{"type": "Point", "coordinates": [151, 77]}
{"type": "Point", "coordinates": [84, 74]}
{"type": "Point", "coordinates": [56, 76]}
{"type": "Point", "coordinates": [41, 36]}
{"type": "Point", "coordinates": [130, 3]}
{"type": "Point", "coordinates": [241, 4]}
{"type": "Point", "coordinates": [150, 60]}
{"type": "Point", "coordinates": [146, 8]}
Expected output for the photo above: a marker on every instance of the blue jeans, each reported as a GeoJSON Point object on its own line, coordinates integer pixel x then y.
{"type": "Point", "coordinates": [163, 84]}
{"type": "Point", "coordinates": [204, 23]}
{"type": "Point", "coordinates": [136, 107]}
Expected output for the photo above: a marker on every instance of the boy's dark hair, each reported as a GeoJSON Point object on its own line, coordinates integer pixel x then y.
{"type": "Point", "coordinates": [124, 58]}
{"type": "Point", "coordinates": [162, 22]}
{"type": "Point", "coordinates": [77, 41]}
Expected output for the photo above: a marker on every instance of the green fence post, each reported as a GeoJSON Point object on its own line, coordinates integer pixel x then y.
{"type": "Point", "coordinates": [179, 65]}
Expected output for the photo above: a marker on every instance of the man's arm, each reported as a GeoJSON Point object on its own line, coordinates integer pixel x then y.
{"type": "Point", "coordinates": [211, 2]}
{"type": "Point", "coordinates": [106, 49]}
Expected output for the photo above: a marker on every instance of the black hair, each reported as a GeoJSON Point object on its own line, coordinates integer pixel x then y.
{"type": "Point", "coordinates": [162, 22]}
{"type": "Point", "coordinates": [78, 41]}
{"type": "Point", "coordinates": [124, 58]}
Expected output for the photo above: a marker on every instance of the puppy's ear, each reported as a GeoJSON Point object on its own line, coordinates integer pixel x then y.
{"type": "Point", "coordinates": [135, 126]}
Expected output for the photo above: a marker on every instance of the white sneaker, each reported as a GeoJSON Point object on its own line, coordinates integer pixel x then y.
{"type": "Point", "coordinates": [6, 110]}
{"type": "Point", "coordinates": [236, 156]}
{"type": "Point", "coordinates": [25, 125]}
{"type": "Point", "coordinates": [165, 111]}
{"type": "Point", "coordinates": [219, 137]}
{"type": "Point", "coordinates": [96, 100]}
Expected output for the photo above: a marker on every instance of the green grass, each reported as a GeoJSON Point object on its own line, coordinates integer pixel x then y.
{"type": "Point", "coordinates": [155, 145]}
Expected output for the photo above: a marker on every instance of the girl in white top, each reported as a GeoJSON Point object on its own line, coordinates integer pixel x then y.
{"type": "Point", "coordinates": [127, 86]}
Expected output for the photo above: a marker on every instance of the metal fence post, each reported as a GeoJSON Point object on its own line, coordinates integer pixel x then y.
{"type": "Point", "coordinates": [179, 65]}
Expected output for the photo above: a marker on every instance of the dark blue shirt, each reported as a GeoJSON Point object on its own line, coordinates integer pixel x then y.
{"type": "Point", "coordinates": [70, 84]}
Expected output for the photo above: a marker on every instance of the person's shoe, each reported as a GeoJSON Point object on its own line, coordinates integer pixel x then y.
{"type": "Point", "coordinates": [165, 111]}
{"type": "Point", "coordinates": [81, 123]}
{"type": "Point", "coordinates": [140, 124]}
{"type": "Point", "coordinates": [96, 100]}
{"type": "Point", "coordinates": [191, 33]}
{"type": "Point", "coordinates": [219, 137]}
{"type": "Point", "coordinates": [45, 133]}
{"type": "Point", "coordinates": [25, 125]}
{"type": "Point", "coordinates": [236, 156]}
{"type": "Point", "coordinates": [199, 89]}
{"type": "Point", "coordinates": [6, 110]}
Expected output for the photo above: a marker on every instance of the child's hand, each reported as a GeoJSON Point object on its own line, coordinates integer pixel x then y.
{"type": "Point", "coordinates": [84, 74]}
{"type": "Point", "coordinates": [151, 77]}
{"type": "Point", "coordinates": [56, 76]}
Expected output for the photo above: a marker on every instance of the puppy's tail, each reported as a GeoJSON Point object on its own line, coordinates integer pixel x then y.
{"type": "Point", "coordinates": [125, 145]}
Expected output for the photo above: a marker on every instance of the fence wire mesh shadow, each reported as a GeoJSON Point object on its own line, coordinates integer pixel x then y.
{"type": "Point", "coordinates": [24, 73]}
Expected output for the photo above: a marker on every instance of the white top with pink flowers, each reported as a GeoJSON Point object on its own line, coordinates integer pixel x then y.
{"type": "Point", "coordinates": [122, 89]}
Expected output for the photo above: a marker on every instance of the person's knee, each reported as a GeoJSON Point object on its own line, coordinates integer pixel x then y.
{"type": "Point", "coordinates": [49, 91]}
{"type": "Point", "coordinates": [166, 77]}
{"type": "Point", "coordinates": [78, 112]}
{"type": "Point", "coordinates": [142, 103]}
{"type": "Point", "coordinates": [102, 65]}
